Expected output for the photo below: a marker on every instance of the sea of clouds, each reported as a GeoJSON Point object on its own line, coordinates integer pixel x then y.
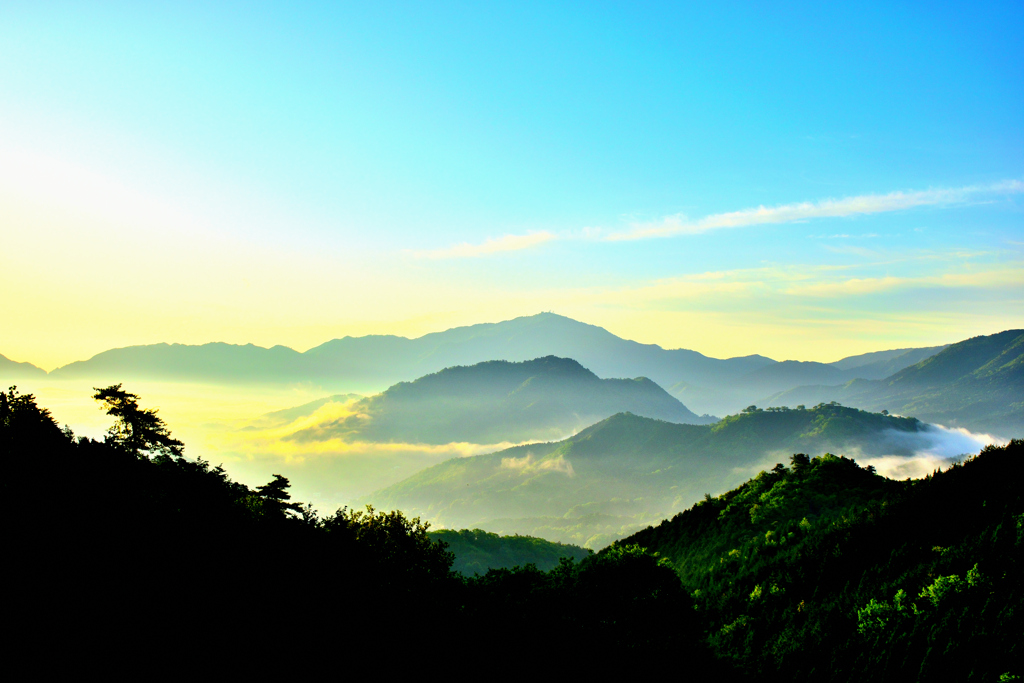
{"type": "Point", "coordinates": [933, 448]}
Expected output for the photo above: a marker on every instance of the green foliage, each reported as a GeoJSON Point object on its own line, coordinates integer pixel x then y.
{"type": "Point", "coordinates": [789, 570]}
{"type": "Point", "coordinates": [622, 605]}
{"type": "Point", "coordinates": [395, 549]}
{"type": "Point", "coordinates": [877, 616]}
{"type": "Point", "coordinates": [477, 551]}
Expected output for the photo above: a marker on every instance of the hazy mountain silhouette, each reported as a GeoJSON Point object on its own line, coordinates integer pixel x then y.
{"type": "Point", "coordinates": [498, 402]}
{"type": "Point", "coordinates": [758, 386]}
{"type": "Point", "coordinates": [779, 376]}
{"type": "Point", "coordinates": [977, 383]}
{"type": "Point", "coordinates": [607, 480]}
{"type": "Point", "coordinates": [10, 370]}
{"type": "Point", "coordinates": [707, 385]}
{"type": "Point", "coordinates": [386, 359]}
{"type": "Point", "coordinates": [214, 363]}
{"type": "Point", "coordinates": [881, 364]}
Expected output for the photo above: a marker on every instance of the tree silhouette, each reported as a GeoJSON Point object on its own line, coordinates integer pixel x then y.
{"type": "Point", "coordinates": [275, 496]}
{"type": "Point", "coordinates": [138, 431]}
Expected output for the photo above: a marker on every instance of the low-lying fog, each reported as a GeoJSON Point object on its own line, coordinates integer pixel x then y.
{"type": "Point", "coordinates": [935, 448]}
{"type": "Point", "coordinates": [235, 427]}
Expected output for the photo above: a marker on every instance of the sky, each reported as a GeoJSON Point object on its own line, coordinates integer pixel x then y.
{"type": "Point", "coordinates": [803, 181]}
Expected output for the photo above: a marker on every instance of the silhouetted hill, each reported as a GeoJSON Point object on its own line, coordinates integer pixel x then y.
{"type": "Point", "coordinates": [977, 383]}
{"type": "Point", "coordinates": [10, 370]}
{"type": "Point", "coordinates": [499, 402]}
{"type": "Point", "coordinates": [628, 469]}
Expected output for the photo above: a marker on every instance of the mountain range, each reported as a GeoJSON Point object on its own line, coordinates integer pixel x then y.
{"type": "Point", "coordinates": [371, 363]}
{"type": "Point", "coordinates": [498, 402]}
{"type": "Point", "coordinates": [977, 384]}
{"type": "Point", "coordinates": [626, 471]}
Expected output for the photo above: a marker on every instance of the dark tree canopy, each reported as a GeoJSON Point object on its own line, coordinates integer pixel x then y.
{"type": "Point", "coordinates": [138, 431]}
{"type": "Point", "coordinates": [275, 495]}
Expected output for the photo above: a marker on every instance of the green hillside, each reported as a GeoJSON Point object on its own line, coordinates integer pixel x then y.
{"type": "Point", "coordinates": [498, 402]}
{"type": "Point", "coordinates": [626, 471]}
{"type": "Point", "coordinates": [824, 571]}
{"type": "Point", "coordinates": [476, 551]}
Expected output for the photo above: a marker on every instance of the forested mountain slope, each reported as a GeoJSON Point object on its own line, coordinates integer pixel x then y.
{"type": "Point", "coordinates": [627, 470]}
{"type": "Point", "coordinates": [824, 571]}
{"type": "Point", "coordinates": [820, 571]}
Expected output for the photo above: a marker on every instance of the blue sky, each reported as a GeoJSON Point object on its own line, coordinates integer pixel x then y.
{"type": "Point", "coordinates": [288, 174]}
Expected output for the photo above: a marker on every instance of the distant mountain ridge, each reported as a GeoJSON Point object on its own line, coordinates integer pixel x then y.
{"type": "Point", "coordinates": [499, 402]}
{"type": "Point", "coordinates": [977, 384]}
{"type": "Point", "coordinates": [10, 369]}
{"type": "Point", "coordinates": [881, 364]}
{"type": "Point", "coordinates": [370, 363]}
{"type": "Point", "coordinates": [387, 359]}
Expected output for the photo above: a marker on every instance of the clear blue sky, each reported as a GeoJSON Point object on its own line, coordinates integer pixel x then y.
{"type": "Point", "coordinates": [291, 172]}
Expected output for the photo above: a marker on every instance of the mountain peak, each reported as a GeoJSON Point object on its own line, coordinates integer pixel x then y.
{"type": "Point", "coordinates": [503, 401]}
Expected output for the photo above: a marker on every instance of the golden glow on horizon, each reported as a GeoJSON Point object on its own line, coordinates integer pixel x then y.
{"type": "Point", "coordinates": [89, 265]}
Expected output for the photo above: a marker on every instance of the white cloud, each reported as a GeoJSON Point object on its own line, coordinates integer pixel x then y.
{"type": "Point", "coordinates": [934, 448]}
{"type": "Point", "coordinates": [1001, 277]}
{"type": "Point", "coordinates": [490, 246]}
{"type": "Point", "coordinates": [671, 226]}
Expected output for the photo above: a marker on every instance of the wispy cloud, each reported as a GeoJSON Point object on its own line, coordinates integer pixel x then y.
{"type": "Point", "coordinates": [671, 226]}
{"type": "Point", "coordinates": [945, 271]}
{"type": "Point", "coordinates": [528, 463]}
{"type": "Point", "coordinates": [679, 224]}
{"type": "Point", "coordinates": [1010, 276]}
{"type": "Point", "coordinates": [856, 251]}
{"type": "Point", "coordinates": [492, 246]}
